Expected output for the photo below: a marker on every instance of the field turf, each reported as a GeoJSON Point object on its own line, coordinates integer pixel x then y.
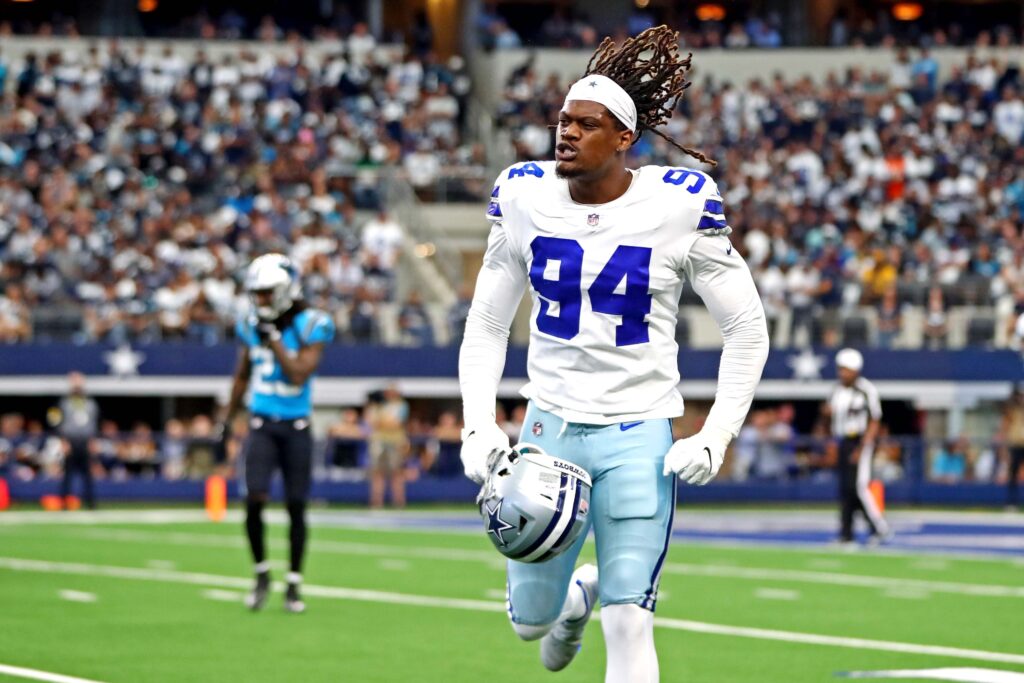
{"type": "Point", "coordinates": [153, 596]}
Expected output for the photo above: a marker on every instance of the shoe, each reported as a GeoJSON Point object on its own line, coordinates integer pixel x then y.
{"type": "Point", "coordinates": [561, 644]}
{"type": "Point", "coordinates": [258, 596]}
{"type": "Point", "coordinates": [292, 601]}
{"type": "Point", "coordinates": [881, 539]}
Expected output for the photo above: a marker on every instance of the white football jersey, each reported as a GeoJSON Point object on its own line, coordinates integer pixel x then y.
{"type": "Point", "coordinates": [605, 282]}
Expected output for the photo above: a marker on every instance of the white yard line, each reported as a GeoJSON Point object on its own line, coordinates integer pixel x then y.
{"type": "Point", "coordinates": [773, 594]}
{"type": "Point", "coordinates": [76, 596]}
{"type": "Point", "coordinates": [37, 675]}
{"type": "Point", "coordinates": [459, 555]}
{"type": "Point", "coordinates": [837, 579]}
{"type": "Point", "coordinates": [222, 595]}
{"type": "Point", "coordinates": [340, 593]}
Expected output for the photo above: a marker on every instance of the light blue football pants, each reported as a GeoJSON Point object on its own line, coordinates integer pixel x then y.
{"type": "Point", "coordinates": [631, 509]}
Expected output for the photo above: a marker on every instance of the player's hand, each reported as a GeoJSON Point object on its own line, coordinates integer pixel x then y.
{"type": "Point", "coordinates": [478, 443]}
{"type": "Point", "coordinates": [697, 459]}
{"type": "Point", "coordinates": [267, 332]}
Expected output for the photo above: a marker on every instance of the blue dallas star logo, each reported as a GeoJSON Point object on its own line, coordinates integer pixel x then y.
{"type": "Point", "coordinates": [495, 524]}
{"type": "Point", "coordinates": [592, 84]}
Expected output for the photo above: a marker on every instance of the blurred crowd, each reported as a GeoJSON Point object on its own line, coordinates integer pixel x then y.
{"type": "Point", "coordinates": [865, 194]}
{"type": "Point", "coordinates": [381, 438]}
{"type": "Point", "coordinates": [571, 28]}
{"type": "Point", "coordinates": [135, 185]}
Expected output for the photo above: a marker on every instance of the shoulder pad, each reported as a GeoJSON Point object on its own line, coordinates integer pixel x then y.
{"type": "Point", "coordinates": [703, 193]}
{"type": "Point", "coordinates": [516, 178]}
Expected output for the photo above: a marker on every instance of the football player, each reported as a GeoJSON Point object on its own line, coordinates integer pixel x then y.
{"type": "Point", "coordinates": [603, 250]}
{"type": "Point", "coordinates": [282, 343]}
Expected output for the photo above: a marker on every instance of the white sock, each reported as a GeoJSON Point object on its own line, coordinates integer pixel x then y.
{"type": "Point", "coordinates": [293, 577]}
{"type": "Point", "coordinates": [629, 639]}
{"type": "Point", "coordinates": [575, 605]}
{"type": "Point", "coordinates": [262, 567]}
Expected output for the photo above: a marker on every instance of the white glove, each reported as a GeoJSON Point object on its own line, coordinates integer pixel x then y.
{"type": "Point", "coordinates": [478, 443]}
{"type": "Point", "coordinates": [697, 459]}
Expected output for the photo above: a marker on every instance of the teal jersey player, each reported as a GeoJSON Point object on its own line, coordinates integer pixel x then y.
{"type": "Point", "coordinates": [271, 393]}
{"type": "Point", "coordinates": [282, 344]}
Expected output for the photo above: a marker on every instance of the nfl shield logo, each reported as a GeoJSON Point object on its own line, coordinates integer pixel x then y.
{"type": "Point", "coordinates": [593, 219]}
{"type": "Point", "coordinates": [538, 429]}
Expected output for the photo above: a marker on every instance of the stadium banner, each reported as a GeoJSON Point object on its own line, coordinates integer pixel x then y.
{"type": "Point", "coordinates": [197, 360]}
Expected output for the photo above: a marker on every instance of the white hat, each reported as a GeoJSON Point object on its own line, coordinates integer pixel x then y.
{"type": "Point", "coordinates": [850, 359]}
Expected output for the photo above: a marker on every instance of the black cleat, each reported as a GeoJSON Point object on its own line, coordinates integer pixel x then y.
{"type": "Point", "coordinates": [292, 600]}
{"type": "Point", "coordinates": [258, 596]}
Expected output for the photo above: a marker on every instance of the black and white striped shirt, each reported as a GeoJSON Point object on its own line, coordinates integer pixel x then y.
{"type": "Point", "coordinates": [853, 407]}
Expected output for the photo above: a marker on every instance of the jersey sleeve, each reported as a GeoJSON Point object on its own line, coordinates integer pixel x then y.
{"type": "Point", "coordinates": [318, 328]}
{"type": "Point", "coordinates": [874, 402]}
{"type": "Point", "coordinates": [244, 332]}
{"type": "Point", "coordinates": [723, 281]}
{"type": "Point", "coordinates": [500, 286]}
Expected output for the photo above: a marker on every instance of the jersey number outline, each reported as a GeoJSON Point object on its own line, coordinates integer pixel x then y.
{"type": "Point", "coordinates": [526, 169]}
{"type": "Point", "coordinates": [680, 176]}
{"type": "Point", "coordinates": [264, 367]}
{"type": "Point", "coordinates": [629, 263]}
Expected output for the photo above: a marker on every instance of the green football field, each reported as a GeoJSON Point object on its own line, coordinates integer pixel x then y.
{"type": "Point", "coordinates": [156, 596]}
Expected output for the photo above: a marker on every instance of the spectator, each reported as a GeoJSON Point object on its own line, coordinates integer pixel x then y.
{"type": "Point", "coordinates": [448, 437]}
{"type": "Point", "coordinates": [1011, 438]}
{"type": "Point", "coordinates": [15, 323]}
{"type": "Point", "coordinates": [460, 312]}
{"type": "Point", "coordinates": [139, 452]}
{"type": "Point", "coordinates": [173, 449]}
{"type": "Point", "coordinates": [347, 444]}
{"type": "Point", "coordinates": [890, 318]}
{"type": "Point", "coordinates": [936, 320]}
{"type": "Point", "coordinates": [949, 462]}
{"type": "Point", "coordinates": [414, 323]}
{"type": "Point", "coordinates": [383, 238]}
{"type": "Point", "coordinates": [389, 446]}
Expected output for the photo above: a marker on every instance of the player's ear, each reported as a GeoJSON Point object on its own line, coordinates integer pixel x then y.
{"type": "Point", "coordinates": [625, 141]}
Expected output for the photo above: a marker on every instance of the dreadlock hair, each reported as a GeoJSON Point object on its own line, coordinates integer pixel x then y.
{"type": "Point", "coordinates": [650, 70]}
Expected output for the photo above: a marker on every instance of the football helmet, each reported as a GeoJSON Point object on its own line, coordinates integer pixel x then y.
{"type": "Point", "coordinates": [533, 504]}
{"type": "Point", "coordinates": [274, 273]}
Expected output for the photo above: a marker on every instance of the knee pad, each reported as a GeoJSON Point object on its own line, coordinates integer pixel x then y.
{"type": "Point", "coordinates": [528, 632]}
{"type": "Point", "coordinates": [538, 602]}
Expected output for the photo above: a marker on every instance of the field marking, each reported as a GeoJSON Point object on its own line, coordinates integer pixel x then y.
{"type": "Point", "coordinates": [76, 596]}
{"type": "Point", "coordinates": [363, 595]}
{"type": "Point", "coordinates": [37, 675]}
{"type": "Point", "coordinates": [907, 594]}
{"type": "Point", "coordinates": [222, 595]}
{"type": "Point", "coordinates": [458, 523]}
{"type": "Point", "coordinates": [824, 563]}
{"type": "Point", "coordinates": [394, 565]}
{"type": "Point", "coordinates": [161, 564]}
{"type": "Point", "coordinates": [837, 579]}
{"type": "Point", "coordinates": [775, 594]}
{"type": "Point", "coordinates": [491, 558]}
{"type": "Point", "coordinates": [962, 675]}
{"type": "Point", "coordinates": [931, 564]}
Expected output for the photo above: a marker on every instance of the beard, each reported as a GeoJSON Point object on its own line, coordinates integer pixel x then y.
{"type": "Point", "coordinates": [565, 171]}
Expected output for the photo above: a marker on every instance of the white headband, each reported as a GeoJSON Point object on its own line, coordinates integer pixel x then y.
{"type": "Point", "coordinates": [604, 90]}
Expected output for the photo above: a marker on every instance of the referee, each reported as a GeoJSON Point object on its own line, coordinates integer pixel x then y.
{"type": "Point", "coordinates": [856, 411]}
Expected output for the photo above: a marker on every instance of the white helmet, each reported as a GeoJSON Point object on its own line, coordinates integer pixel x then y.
{"type": "Point", "coordinates": [850, 359]}
{"type": "Point", "coordinates": [274, 273]}
{"type": "Point", "coordinates": [534, 506]}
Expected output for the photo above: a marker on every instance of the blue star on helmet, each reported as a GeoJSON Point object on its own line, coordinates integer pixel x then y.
{"type": "Point", "coordinates": [592, 84]}
{"type": "Point", "coordinates": [495, 524]}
